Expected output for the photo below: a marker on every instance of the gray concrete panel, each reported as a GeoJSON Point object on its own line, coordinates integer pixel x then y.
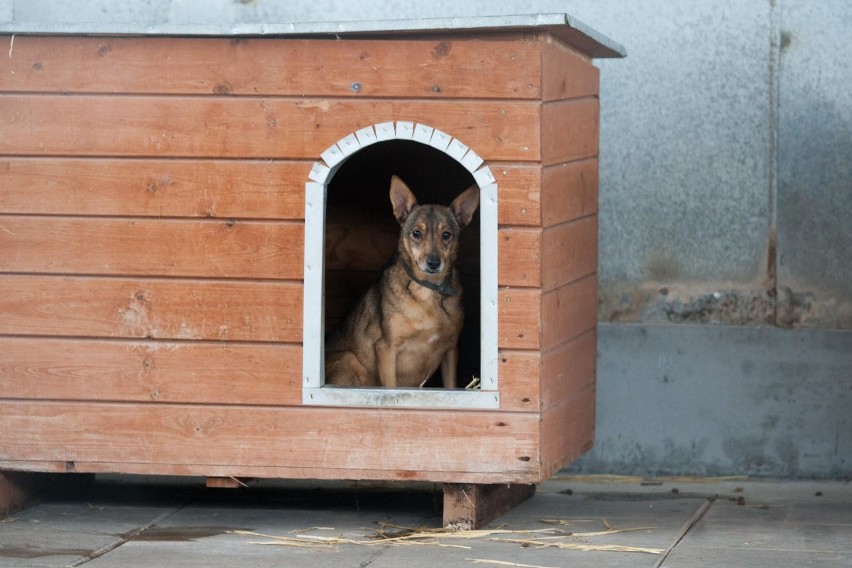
{"type": "Point", "coordinates": [684, 145]}
{"type": "Point", "coordinates": [685, 190]}
{"type": "Point", "coordinates": [815, 162]}
{"type": "Point", "coordinates": [718, 400]}
{"type": "Point", "coordinates": [138, 11]}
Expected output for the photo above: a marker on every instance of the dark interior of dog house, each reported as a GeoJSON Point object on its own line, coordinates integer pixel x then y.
{"type": "Point", "coordinates": [361, 232]}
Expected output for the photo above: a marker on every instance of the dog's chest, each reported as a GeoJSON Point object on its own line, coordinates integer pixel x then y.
{"type": "Point", "coordinates": [434, 318]}
{"type": "Point", "coordinates": [429, 337]}
{"type": "Point", "coordinates": [431, 327]}
{"type": "Point", "coordinates": [421, 352]}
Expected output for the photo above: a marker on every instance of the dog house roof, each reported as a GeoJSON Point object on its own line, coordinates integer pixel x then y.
{"type": "Point", "coordinates": [562, 26]}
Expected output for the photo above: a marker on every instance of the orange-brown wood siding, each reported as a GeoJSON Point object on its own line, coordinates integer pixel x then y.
{"type": "Point", "coordinates": [434, 69]}
{"type": "Point", "coordinates": [569, 198]}
{"type": "Point", "coordinates": [151, 243]}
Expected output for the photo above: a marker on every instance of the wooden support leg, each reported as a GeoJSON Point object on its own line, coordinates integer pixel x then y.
{"type": "Point", "coordinates": [17, 491]}
{"type": "Point", "coordinates": [470, 506]}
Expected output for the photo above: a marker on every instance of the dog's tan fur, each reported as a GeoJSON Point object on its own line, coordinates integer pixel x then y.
{"type": "Point", "coordinates": [401, 331]}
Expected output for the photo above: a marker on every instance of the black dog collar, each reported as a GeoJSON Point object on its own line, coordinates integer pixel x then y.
{"type": "Point", "coordinates": [443, 288]}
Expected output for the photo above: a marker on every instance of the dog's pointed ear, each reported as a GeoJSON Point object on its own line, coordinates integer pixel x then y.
{"type": "Point", "coordinates": [464, 206]}
{"type": "Point", "coordinates": [402, 199]}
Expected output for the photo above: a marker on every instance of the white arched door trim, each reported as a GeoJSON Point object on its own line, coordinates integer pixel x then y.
{"type": "Point", "coordinates": [313, 360]}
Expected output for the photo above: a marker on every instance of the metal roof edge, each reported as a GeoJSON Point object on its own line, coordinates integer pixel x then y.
{"type": "Point", "coordinates": [561, 25]}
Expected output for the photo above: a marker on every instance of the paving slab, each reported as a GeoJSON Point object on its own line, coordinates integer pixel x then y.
{"type": "Point", "coordinates": [71, 529]}
{"type": "Point", "coordinates": [51, 534]}
{"type": "Point", "coordinates": [790, 525]}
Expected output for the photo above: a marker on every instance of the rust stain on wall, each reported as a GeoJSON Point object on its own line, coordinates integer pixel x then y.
{"type": "Point", "coordinates": [666, 297]}
{"type": "Point", "coordinates": [722, 304]}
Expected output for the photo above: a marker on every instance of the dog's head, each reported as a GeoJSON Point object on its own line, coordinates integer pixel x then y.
{"type": "Point", "coordinates": [430, 233]}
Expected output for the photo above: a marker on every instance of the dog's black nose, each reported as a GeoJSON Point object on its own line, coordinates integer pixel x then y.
{"type": "Point", "coordinates": [433, 264]}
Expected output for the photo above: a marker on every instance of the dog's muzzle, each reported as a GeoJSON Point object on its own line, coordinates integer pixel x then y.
{"type": "Point", "coordinates": [433, 266]}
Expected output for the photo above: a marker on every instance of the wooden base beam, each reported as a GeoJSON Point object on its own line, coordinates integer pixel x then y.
{"type": "Point", "coordinates": [227, 482]}
{"type": "Point", "coordinates": [471, 506]}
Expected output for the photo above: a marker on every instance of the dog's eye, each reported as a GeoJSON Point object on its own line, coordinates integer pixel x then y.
{"type": "Point", "coordinates": [416, 234]}
{"type": "Point", "coordinates": [446, 235]}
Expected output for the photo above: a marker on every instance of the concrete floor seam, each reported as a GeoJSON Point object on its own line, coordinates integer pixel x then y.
{"type": "Point", "coordinates": [131, 535]}
{"type": "Point", "coordinates": [693, 520]}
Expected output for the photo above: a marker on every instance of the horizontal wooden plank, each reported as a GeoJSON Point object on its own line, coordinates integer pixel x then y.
{"type": "Point", "coordinates": [147, 308]}
{"type": "Point", "coordinates": [566, 74]}
{"type": "Point", "coordinates": [273, 66]}
{"type": "Point", "coordinates": [569, 191]}
{"type": "Point", "coordinates": [568, 369]}
{"type": "Point", "coordinates": [569, 130]}
{"type": "Point", "coordinates": [569, 251]}
{"type": "Point", "coordinates": [154, 188]}
{"type": "Point", "coordinates": [519, 257]}
{"type": "Point", "coordinates": [519, 313]}
{"type": "Point", "coordinates": [519, 194]}
{"type": "Point", "coordinates": [567, 431]}
{"type": "Point", "coordinates": [519, 375]}
{"type": "Point", "coordinates": [242, 471]}
{"type": "Point", "coordinates": [569, 311]}
{"type": "Point", "coordinates": [146, 247]}
{"type": "Point", "coordinates": [345, 440]}
{"type": "Point", "coordinates": [534, 196]}
{"type": "Point", "coordinates": [205, 373]}
{"type": "Point", "coordinates": [234, 127]}
{"type": "Point", "coordinates": [230, 189]}
{"type": "Point", "coordinates": [187, 372]}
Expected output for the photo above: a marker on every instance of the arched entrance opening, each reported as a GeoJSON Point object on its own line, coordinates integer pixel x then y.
{"type": "Point", "coordinates": [350, 234]}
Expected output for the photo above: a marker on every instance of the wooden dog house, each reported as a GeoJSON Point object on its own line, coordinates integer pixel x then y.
{"type": "Point", "coordinates": [178, 207]}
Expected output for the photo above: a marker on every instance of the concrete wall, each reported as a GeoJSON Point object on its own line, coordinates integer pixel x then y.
{"type": "Point", "coordinates": [726, 219]}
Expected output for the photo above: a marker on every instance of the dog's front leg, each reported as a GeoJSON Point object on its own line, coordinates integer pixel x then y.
{"type": "Point", "coordinates": [449, 367]}
{"type": "Point", "coordinates": [386, 363]}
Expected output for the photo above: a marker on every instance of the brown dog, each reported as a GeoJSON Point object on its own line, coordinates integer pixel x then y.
{"type": "Point", "coordinates": [407, 324]}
